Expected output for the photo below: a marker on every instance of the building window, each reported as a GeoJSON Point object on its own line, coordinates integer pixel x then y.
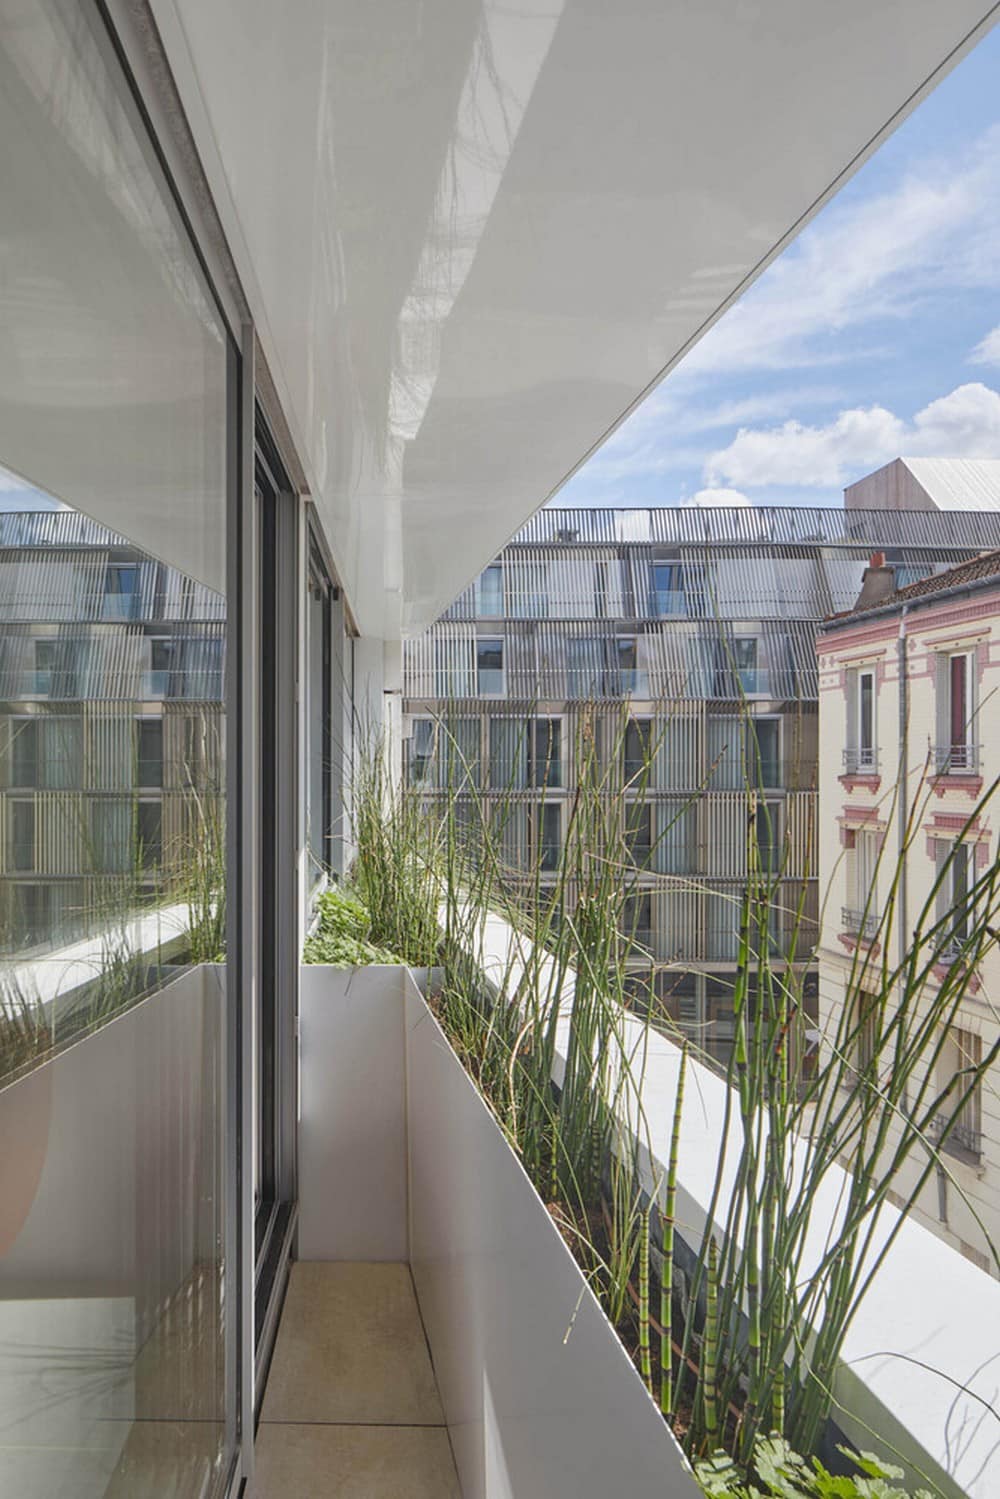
{"type": "Point", "coordinates": [737, 669]}
{"type": "Point", "coordinates": [110, 835]}
{"type": "Point", "coordinates": [961, 1055]}
{"type": "Point", "coordinates": [676, 850]}
{"type": "Point", "coordinates": [860, 753]}
{"type": "Point", "coordinates": [121, 591]}
{"type": "Point", "coordinates": [24, 752]}
{"type": "Point", "coordinates": [666, 594]}
{"type": "Point", "coordinates": [636, 750]}
{"type": "Point", "coordinates": [149, 752]}
{"type": "Point", "coordinates": [46, 682]}
{"type": "Point", "coordinates": [149, 834]}
{"type": "Point", "coordinates": [864, 1037]}
{"type": "Point", "coordinates": [489, 592]}
{"type": "Point", "coordinates": [545, 835]}
{"type": "Point", "coordinates": [46, 752]}
{"type": "Point", "coordinates": [489, 667]}
{"type": "Point", "coordinates": [31, 910]}
{"type": "Point", "coordinates": [639, 833]}
{"type": "Point", "coordinates": [763, 736]}
{"type": "Point", "coordinates": [508, 754]}
{"type": "Point", "coordinates": [421, 753]}
{"type": "Point", "coordinates": [860, 916]}
{"type": "Point", "coordinates": [767, 827]}
{"type": "Point", "coordinates": [585, 662]}
{"type": "Point", "coordinates": [955, 750]}
{"type": "Point", "coordinates": [630, 679]}
{"type": "Point", "coordinates": [22, 835]}
{"type": "Point", "coordinates": [637, 918]}
{"type": "Point", "coordinates": [748, 673]}
{"type": "Point", "coordinates": [162, 657]}
{"type": "Point", "coordinates": [545, 752]}
{"type": "Point", "coordinates": [956, 900]}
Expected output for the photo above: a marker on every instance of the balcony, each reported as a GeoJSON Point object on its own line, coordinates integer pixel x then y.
{"type": "Point", "coordinates": [860, 923]}
{"type": "Point", "coordinates": [860, 760]}
{"type": "Point", "coordinates": [963, 1140]}
{"type": "Point", "coordinates": [956, 759]}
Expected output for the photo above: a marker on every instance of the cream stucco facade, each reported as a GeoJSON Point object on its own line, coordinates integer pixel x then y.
{"type": "Point", "coordinates": [909, 751]}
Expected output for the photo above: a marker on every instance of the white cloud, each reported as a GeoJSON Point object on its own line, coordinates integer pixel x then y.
{"type": "Point", "coordinates": [866, 261]}
{"type": "Point", "coordinates": [708, 499]}
{"type": "Point", "coordinates": [964, 424]}
{"type": "Point", "coordinates": [987, 350]}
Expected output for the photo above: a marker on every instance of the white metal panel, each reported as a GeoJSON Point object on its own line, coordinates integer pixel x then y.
{"type": "Point", "coordinates": [473, 234]}
{"type": "Point", "coordinates": [352, 1124]}
{"type": "Point", "coordinates": [539, 1395]}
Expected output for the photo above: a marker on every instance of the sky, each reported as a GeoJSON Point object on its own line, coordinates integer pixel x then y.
{"type": "Point", "coordinates": [876, 334]}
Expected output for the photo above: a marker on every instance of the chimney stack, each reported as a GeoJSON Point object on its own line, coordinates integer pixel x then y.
{"type": "Point", "coordinates": [878, 586]}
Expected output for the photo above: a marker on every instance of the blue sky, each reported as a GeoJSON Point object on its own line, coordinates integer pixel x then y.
{"type": "Point", "coordinates": [876, 333]}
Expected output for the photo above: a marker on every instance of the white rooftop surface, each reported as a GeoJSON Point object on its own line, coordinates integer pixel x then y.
{"type": "Point", "coordinates": [958, 483]}
{"type": "Point", "coordinates": [920, 1366]}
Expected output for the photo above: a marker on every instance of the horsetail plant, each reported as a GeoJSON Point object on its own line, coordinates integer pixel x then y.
{"type": "Point", "coordinates": [750, 1337]}
{"type": "Point", "coordinates": [668, 1220]}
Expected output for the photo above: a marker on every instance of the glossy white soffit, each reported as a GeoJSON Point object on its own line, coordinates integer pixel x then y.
{"type": "Point", "coordinates": [474, 233]}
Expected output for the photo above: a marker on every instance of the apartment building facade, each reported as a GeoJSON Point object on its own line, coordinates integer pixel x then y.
{"type": "Point", "coordinates": [681, 637]}
{"type": "Point", "coordinates": [111, 673]}
{"type": "Point", "coordinates": [909, 751]}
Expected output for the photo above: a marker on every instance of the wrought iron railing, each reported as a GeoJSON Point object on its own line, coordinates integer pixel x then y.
{"type": "Point", "coordinates": [956, 759]}
{"type": "Point", "coordinates": [859, 923]}
{"type": "Point", "coordinates": [961, 1137]}
{"type": "Point", "coordinates": [860, 759]}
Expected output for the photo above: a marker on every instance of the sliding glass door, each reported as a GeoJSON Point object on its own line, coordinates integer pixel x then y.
{"type": "Point", "coordinates": [276, 992]}
{"type": "Point", "coordinates": [119, 1277]}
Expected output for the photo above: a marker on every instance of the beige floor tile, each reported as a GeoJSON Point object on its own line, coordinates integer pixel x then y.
{"type": "Point", "coordinates": [354, 1462]}
{"type": "Point", "coordinates": [351, 1348]}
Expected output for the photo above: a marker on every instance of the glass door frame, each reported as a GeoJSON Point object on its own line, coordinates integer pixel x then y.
{"type": "Point", "coordinates": [274, 1078]}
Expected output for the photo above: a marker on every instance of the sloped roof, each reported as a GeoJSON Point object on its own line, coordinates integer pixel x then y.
{"type": "Point", "coordinates": [958, 483]}
{"type": "Point", "coordinates": [976, 570]}
{"type": "Point", "coordinates": [986, 565]}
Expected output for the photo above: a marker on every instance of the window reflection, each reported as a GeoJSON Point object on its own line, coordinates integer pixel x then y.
{"type": "Point", "coordinates": [116, 1282]}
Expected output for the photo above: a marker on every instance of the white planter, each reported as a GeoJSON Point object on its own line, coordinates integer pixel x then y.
{"type": "Point", "coordinates": [399, 1157]}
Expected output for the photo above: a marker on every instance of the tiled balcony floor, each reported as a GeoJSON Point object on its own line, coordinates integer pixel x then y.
{"type": "Point", "coordinates": [351, 1408]}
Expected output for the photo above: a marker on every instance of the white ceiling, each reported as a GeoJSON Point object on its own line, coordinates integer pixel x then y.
{"type": "Point", "coordinates": [473, 233]}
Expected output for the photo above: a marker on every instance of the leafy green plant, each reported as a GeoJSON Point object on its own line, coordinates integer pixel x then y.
{"type": "Point", "coordinates": [778, 1472]}
{"type": "Point", "coordinates": [341, 936]}
{"type": "Point", "coordinates": [395, 857]}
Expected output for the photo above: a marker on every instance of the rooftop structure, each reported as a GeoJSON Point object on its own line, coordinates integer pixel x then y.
{"type": "Point", "coordinates": [951, 484]}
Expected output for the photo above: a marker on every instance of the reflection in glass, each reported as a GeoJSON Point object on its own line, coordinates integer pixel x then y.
{"type": "Point", "coordinates": [116, 1337]}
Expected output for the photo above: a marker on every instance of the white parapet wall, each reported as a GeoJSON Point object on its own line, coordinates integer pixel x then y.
{"type": "Point", "coordinates": [400, 1158]}
{"type": "Point", "coordinates": [920, 1369]}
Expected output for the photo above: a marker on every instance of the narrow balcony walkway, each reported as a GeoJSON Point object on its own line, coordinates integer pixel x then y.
{"type": "Point", "coordinates": [351, 1407]}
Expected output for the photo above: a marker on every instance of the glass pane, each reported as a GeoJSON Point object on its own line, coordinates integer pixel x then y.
{"type": "Point", "coordinates": [117, 1370]}
{"type": "Point", "coordinates": [545, 750]}
{"type": "Point", "coordinates": [866, 720]}
{"type": "Point", "coordinates": [319, 624]}
{"type": "Point", "coordinates": [508, 754]}
{"type": "Point", "coordinates": [489, 667]}
{"type": "Point", "coordinates": [490, 592]}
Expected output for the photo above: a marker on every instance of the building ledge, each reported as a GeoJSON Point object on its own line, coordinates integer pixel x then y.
{"type": "Point", "coordinates": [970, 785]}
{"type": "Point", "coordinates": [852, 780]}
{"type": "Point", "coordinates": [855, 942]}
